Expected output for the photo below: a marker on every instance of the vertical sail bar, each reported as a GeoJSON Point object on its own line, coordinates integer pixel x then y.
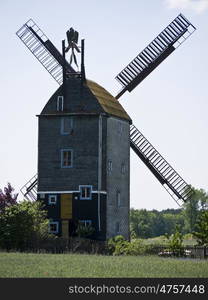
{"type": "Point", "coordinates": [158, 50]}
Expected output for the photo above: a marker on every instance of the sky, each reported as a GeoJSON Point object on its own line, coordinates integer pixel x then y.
{"type": "Point", "coordinates": [170, 106]}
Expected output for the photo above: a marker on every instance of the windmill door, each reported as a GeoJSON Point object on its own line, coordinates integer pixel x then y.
{"type": "Point", "coordinates": [66, 213]}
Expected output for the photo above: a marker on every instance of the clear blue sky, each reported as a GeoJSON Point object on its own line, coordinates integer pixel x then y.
{"type": "Point", "coordinates": [169, 107]}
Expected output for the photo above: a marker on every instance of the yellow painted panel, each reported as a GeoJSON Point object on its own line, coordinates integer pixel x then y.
{"type": "Point", "coordinates": [65, 229]}
{"type": "Point", "coordinates": [66, 206]}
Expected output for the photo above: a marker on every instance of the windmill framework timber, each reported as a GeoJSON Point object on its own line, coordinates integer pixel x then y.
{"type": "Point", "coordinates": [66, 175]}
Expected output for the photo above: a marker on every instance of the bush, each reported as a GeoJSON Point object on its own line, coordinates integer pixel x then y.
{"type": "Point", "coordinates": [175, 243]}
{"type": "Point", "coordinates": [114, 243]}
{"type": "Point", "coordinates": [119, 246]}
{"type": "Point", "coordinates": [85, 231]}
{"type": "Point", "coordinates": [23, 225]}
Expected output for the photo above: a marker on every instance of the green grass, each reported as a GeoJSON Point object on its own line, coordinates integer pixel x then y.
{"type": "Point", "coordinates": [162, 240]}
{"type": "Point", "coordinates": [77, 265]}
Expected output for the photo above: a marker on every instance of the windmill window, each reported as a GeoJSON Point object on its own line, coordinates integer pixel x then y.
{"type": "Point", "coordinates": [60, 103]}
{"type": "Point", "coordinates": [123, 168]}
{"type": "Point", "coordinates": [53, 227]}
{"type": "Point", "coordinates": [42, 196]}
{"type": "Point", "coordinates": [66, 158]}
{"type": "Point", "coordinates": [66, 125]}
{"type": "Point", "coordinates": [85, 192]}
{"type": "Point", "coordinates": [117, 228]}
{"type": "Point", "coordinates": [120, 128]}
{"type": "Point", "coordinates": [52, 199]}
{"type": "Point", "coordinates": [110, 165]}
{"type": "Point", "coordinates": [118, 199]}
{"type": "Point", "coordinates": [85, 223]}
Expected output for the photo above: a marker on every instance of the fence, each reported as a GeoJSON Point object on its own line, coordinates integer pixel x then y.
{"type": "Point", "coordinates": [200, 252]}
{"type": "Point", "coordinates": [61, 245]}
{"type": "Point", "coordinates": [81, 245]}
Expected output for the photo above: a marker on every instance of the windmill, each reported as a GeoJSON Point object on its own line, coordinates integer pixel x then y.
{"type": "Point", "coordinates": [131, 76]}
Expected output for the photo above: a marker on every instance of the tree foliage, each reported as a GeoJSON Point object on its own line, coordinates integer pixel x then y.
{"type": "Point", "coordinates": [201, 232]}
{"type": "Point", "coordinates": [147, 224]}
{"type": "Point", "coordinates": [22, 225]}
{"type": "Point", "coordinates": [175, 242]}
{"type": "Point", "coordinates": [193, 208]}
{"type": "Point", "coordinates": [7, 197]}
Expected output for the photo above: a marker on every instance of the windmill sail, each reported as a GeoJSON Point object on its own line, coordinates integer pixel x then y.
{"type": "Point", "coordinates": [43, 49]}
{"type": "Point", "coordinates": [158, 50]}
{"type": "Point", "coordinates": [178, 189]}
{"type": "Point", "coordinates": [29, 190]}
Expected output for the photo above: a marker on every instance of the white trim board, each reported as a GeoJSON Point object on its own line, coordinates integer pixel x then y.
{"type": "Point", "coordinates": [69, 192]}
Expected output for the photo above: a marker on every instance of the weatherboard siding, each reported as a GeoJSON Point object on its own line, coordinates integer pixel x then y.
{"type": "Point", "coordinates": [85, 154]}
{"type": "Point", "coordinates": [118, 151]}
{"type": "Point", "coordinates": [95, 137]}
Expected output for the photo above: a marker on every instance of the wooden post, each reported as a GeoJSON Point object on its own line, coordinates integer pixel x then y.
{"type": "Point", "coordinates": [64, 72]}
{"type": "Point", "coordinates": [82, 62]}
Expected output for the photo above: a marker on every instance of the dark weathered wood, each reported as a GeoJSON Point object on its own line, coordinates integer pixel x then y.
{"type": "Point", "coordinates": [94, 139]}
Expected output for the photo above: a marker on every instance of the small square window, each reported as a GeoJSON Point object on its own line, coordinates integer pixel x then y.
{"type": "Point", "coordinates": [66, 125]}
{"type": "Point", "coordinates": [85, 192]}
{"type": "Point", "coordinates": [60, 103]}
{"type": "Point", "coordinates": [52, 199]}
{"type": "Point", "coordinates": [66, 158]}
{"type": "Point", "coordinates": [53, 227]}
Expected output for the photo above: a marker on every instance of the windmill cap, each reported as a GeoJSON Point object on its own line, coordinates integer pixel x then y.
{"type": "Point", "coordinates": [89, 98]}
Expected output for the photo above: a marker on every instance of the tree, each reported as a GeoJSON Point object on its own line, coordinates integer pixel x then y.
{"type": "Point", "coordinates": [7, 197]}
{"type": "Point", "coordinates": [202, 229]}
{"type": "Point", "coordinates": [146, 224]}
{"type": "Point", "coordinates": [158, 223]}
{"type": "Point", "coordinates": [22, 225]}
{"type": "Point", "coordinates": [192, 208]}
{"type": "Point", "coordinates": [141, 223]}
{"type": "Point", "coordinates": [175, 242]}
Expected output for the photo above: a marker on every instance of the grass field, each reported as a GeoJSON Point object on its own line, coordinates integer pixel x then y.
{"type": "Point", "coordinates": [162, 240]}
{"type": "Point", "coordinates": [77, 265]}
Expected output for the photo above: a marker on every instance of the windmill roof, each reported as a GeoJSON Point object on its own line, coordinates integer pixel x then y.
{"type": "Point", "coordinates": [91, 98]}
{"type": "Point", "coordinates": [109, 103]}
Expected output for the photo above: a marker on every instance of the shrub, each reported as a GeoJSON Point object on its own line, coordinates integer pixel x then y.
{"type": "Point", "coordinates": [23, 225]}
{"type": "Point", "coordinates": [85, 231]}
{"type": "Point", "coordinates": [119, 246]}
{"type": "Point", "coordinates": [175, 243]}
